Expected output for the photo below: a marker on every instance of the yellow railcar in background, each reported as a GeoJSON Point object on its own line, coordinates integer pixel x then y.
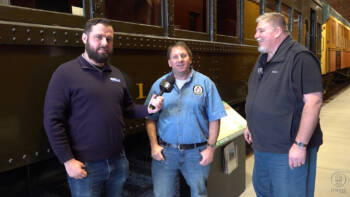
{"type": "Point", "coordinates": [36, 36]}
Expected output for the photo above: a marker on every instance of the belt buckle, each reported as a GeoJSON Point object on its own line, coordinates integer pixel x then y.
{"type": "Point", "coordinates": [179, 146]}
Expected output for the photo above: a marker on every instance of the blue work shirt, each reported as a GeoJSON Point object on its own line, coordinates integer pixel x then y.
{"type": "Point", "coordinates": [186, 112]}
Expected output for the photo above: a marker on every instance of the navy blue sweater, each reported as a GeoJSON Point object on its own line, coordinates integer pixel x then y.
{"type": "Point", "coordinates": [83, 111]}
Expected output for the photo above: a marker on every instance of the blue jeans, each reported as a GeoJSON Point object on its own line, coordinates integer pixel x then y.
{"type": "Point", "coordinates": [187, 162]}
{"type": "Point", "coordinates": [104, 178]}
{"type": "Point", "coordinates": [272, 176]}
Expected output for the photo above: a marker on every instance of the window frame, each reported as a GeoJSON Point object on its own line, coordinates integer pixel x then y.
{"type": "Point", "coordinates": [229, 38]}
{"type": "Point", "coordinates": [138, 28]}
{"type": "Point", "coordinates": [245, 40]}
{"type": "Point", "coordinates": [183, 33]}
{"type": "Point", "coordinates": [37, 16]}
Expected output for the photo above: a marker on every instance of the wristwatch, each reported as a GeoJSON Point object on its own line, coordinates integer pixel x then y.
{"type": "Point", "coordinates": [211, 145]}
{"type": "Point", "coordinates": [300, 144]}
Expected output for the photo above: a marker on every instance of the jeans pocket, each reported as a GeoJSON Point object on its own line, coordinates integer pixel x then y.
{"type": "Point", "coordinates": [201, 148]}
{"type": "Point", "coordinates": [86, 167]}
{"type": "Point", "coordinates": [199, 155]}
{"type": "Point", "coordinates": [165, 152]}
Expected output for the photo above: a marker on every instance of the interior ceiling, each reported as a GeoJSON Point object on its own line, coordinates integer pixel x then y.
{"type": "Point", "coordinates": [342, 7]}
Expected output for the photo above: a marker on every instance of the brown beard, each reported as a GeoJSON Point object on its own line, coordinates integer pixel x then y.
{"type": "Point", "coordinates": [94, 55]}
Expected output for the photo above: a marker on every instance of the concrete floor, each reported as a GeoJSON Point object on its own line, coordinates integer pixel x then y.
{"type": "Point", "coordinates": [333, 167]}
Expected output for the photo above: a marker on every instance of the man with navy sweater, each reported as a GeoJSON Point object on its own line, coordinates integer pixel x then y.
{"type": "Point", "coordinates": [83, 116]}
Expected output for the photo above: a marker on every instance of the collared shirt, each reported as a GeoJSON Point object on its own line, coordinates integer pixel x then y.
{"type": "Point", "coordinates": [105, 67]}
{"type": "Point", "coordinates": [186, 112]}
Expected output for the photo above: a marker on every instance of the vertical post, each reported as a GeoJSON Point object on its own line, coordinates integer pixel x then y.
{"type": "Point", "coordinates": [290, 20]}
{"type": "Point", "coordinates": [262, 6]}
{"type": "Point", "coordinates": [171, 18]}
{"type": "Point", "coordinates": [300, 28]}
{"type": "Point", "coordinates": [211, 18]}
{"type": "Point", "coordinates": [97, 8]}
{"type": "Point", "coordinates": [165, 17]}
{"type": "Point", "coordinates": [240, 21]}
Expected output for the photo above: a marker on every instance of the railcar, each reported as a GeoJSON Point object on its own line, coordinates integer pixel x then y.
{"type": "Point", "coordinates": [36, 36]}
{"type": "Point", "coordinates": [335, 48]}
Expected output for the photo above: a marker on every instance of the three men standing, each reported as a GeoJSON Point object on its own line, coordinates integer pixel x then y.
{"type": "Point", "coordinates": [87, 99]}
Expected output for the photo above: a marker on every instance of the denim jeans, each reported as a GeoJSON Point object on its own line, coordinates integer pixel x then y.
{"type": "Point", "coordinates": [272, 176]}
{"type": "Point", "coordinates": [185, 161]}
{"type": "Point", "coordinates": [104, 178]}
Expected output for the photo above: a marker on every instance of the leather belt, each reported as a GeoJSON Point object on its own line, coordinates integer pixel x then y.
{"type": "Point", "coordinates": [181, 146]}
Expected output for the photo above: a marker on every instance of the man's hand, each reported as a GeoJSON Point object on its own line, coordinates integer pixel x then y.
{"type": "Point", "coordinates": [157, 152]}
{"type": "Point", "coordinates": [75, 169]}
{"type": "Point", "coordinates": [297, 156]}
{"type": "Point", "coordinates": [156, 102]}
{"type": "Point", "coordinates": [207, 156]}
{"type": "Point", "coordinates": [248, 136]}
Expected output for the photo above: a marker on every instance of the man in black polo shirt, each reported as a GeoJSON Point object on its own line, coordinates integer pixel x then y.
{"type": "Point", "coordinates": [83, 116]}
{"type": "Point", "coordinates": [282, 107]}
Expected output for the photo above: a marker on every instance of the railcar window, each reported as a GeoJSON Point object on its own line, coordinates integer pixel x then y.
{"type": "Point", "coordinates": [227, 17]}
{"type": "Point", "coordinates": [67, 6]}
{"type": "Point", "coordinates": [306, 33]}
{"type": "Point", "coordinates": [191, 15]}
{"type": "Point", "coordinates": [319, 37]}
{"type": "Point", "coordinates": [5, 2]}
{"type": "Point", "coordinates": [347, 38]}
{"type": "Point", "coordinates": [271, 5]}
{"type": "Point", "coordinates": [251, 12]}
{"type": "Point", "coordinates": [334, 33]}
{"type": "Point", "coordinates": [295, 29]}
{"type": "Point", "coordinates": [342, 36]}
{"type": "Point", "coordinates": [312, 42]}
{"type": "Point", "coordinates": [137, 11]}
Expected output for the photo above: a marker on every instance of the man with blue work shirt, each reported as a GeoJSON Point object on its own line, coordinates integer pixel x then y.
{"type": "Point", "coordinates": [282, 110]}
{"type": "Point", "coordinates": [184, 133]}
{"type": "Point", "coordinates": [83, 116]}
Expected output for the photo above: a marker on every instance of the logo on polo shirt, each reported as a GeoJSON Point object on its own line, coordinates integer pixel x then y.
{"type": "Point", "coordinates": [113, 79]}
{"type": "Point", "coordinates": [197, 90]}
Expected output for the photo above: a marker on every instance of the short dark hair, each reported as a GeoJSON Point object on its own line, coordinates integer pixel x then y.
{"type": "Point", "coordinates": [95, 21]}
{"type": "Point", "coordinates": [179, 44]}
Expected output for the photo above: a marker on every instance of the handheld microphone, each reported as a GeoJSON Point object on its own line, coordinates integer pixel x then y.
{"type": "Point", "coordinates": [166, 85]}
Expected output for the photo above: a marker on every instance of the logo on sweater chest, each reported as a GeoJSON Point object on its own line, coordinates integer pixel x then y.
{"type": "Point", "coordinates": [115, 80]}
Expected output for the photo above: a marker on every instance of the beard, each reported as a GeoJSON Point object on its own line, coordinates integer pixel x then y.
{"type": "Point", "coordinates": [262, 49]}
{"type": "Point", "coordinates": [94, 55]}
